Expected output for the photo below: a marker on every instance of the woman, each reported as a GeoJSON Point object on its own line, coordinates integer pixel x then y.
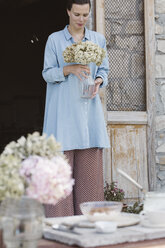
{"type": "Point", "coordinates": [78, 124]}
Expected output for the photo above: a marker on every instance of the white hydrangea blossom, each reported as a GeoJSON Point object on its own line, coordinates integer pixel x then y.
{"type": "Point", "coordinates": [84, 53]}
{"type": "Point", "coordinates": [12, 184]}
{"type": "Point", "coordinates": [34, 144]}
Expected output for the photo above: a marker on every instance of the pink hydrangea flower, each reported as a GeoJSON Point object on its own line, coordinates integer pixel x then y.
{"type": "Point", "coordinates": [48, 180]}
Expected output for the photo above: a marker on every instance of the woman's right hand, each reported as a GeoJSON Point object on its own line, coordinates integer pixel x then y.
{"type": "Point", "coordinates": [76, 69]}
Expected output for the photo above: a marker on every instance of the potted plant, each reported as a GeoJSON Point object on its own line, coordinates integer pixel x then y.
{"type": "Point", "coordinates": [112, 192]}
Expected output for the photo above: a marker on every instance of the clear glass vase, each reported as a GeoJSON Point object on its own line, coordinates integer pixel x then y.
{"type": "Point", "coordinates": [22, 222]}
{"type": "Point", "coordinates": [87, 86]}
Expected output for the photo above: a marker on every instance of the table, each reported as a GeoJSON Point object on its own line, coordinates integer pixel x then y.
{"type": "Point", "coordinates": [130, 236]}
{"type": "Point", "coordinates": [156, 243]}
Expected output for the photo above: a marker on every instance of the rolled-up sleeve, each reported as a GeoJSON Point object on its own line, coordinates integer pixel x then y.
{"type": "Point", "coordinates": [52, 73]}
{"type": "Point", "coordinates": [103, 69]}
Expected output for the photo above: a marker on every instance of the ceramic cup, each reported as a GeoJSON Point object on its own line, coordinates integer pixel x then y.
{"type": "Point", "coordinates": [153, 217]}
{"type": "Point", "coordinates": [154, 201]}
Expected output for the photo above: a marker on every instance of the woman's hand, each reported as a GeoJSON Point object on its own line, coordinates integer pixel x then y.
{"type": "Point", "coordinates": [98, 81]}
{"type": "Point", "coordinates": [78, 70]}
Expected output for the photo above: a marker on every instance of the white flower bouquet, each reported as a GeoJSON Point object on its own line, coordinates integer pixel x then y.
{"type": "Point", "coordinates": [84, 53]}
{"type": "Point", "coordinates": [35, 166]}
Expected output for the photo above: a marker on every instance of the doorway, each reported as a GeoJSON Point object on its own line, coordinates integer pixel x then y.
{"type": "Point", "coordinates": [25, 27]}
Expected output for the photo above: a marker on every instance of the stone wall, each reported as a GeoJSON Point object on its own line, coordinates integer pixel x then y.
{"type": "Point", "coordinates": [160, 91]}
{"type": "Point", "coordinates": [124, 21]}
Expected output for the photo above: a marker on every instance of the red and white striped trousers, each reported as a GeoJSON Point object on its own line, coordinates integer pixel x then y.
{"type": "Point", "coordinates": [87, 170]}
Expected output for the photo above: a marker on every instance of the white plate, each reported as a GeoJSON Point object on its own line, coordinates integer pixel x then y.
{"type": "Point", "coordinates": [124, 219]}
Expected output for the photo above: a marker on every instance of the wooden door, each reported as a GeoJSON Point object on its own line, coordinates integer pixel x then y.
{"type": "Point", "coordinates": [131, 133]}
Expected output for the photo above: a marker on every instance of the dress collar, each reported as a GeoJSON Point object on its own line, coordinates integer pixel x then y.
{"type": "Point", "coordinates": [68, 36]}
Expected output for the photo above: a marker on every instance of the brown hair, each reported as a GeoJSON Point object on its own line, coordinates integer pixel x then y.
{"type": "Point", "coordinates": [71, 2]}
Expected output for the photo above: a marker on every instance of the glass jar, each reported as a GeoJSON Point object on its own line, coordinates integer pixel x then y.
{"type": "Point", "coordinates": [87, 87]}
{"type": "Point", "coordinates": [22, 222]}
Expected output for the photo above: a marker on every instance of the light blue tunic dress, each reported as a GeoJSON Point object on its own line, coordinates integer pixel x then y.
{"type": "Point", "coordinates": [75, 122]}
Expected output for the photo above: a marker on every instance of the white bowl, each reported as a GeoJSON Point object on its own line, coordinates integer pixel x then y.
{"type": "Point", "coordinates": [105, 226]}
{"type": "Point", "coordinates": [101, 211]}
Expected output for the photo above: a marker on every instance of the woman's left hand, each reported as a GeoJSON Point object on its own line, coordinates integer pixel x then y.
{"type": "Point", "coordinates": [98, 81]}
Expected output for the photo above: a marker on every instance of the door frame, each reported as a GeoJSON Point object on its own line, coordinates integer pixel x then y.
{"type": "Point", "coordinates": [140, 117]}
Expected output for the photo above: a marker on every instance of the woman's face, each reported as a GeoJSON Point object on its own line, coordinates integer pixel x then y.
{"type": "Point", "coordinates": [78, 15]}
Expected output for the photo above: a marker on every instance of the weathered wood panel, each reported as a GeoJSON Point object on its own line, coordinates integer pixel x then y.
{"type": "Point", "coordinates": [100, 20]}
{"type": "Point", "coordinates": [150, 86]}
{"type": "Point", "coordinates": [127, 117]}
{"type": "Point", "coordinates": [100, 27]}
{"type": "Point", "coordinates": [129, 153]}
